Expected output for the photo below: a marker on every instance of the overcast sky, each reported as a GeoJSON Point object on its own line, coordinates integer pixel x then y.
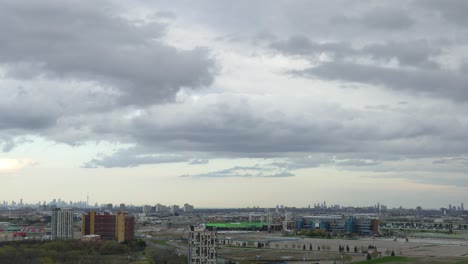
{"type": "Point", "coordinates": [235, 103]}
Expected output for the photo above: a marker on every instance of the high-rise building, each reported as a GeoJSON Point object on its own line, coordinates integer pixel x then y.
{"type": "Point", "coordinates": [188, 208]}
{"type": "Point", "coordinates": [62, 224]}
{"type": "Point", "coordinates": [120, 226]}
{"type": "Point", "coordinates": [146, 209]}
{"type": "Point", "coordinates": [203, 246]}
{"type": "Point", "coordinates": [174, 209]}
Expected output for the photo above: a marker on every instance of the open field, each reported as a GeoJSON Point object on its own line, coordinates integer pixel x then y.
{"type": "Point", "coordinates": [297, 249]}
{"type": "Point", "coordinates": [417, 250]}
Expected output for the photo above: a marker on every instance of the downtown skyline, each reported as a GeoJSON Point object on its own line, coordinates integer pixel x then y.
{"type": "Point", "coordinates": [235, 104]}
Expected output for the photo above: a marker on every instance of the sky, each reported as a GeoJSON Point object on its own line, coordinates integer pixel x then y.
{"type": "Point", "coordinates": [242, 103]}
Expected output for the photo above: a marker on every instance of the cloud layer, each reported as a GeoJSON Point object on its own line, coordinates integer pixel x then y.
{"type": "Point", "coordinates": [352, 85]}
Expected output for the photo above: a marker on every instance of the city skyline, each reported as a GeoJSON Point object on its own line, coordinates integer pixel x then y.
{"type": "Point", "coordinates": [235, 104]}
{"type": "Point", "coordinates": [58, 202]}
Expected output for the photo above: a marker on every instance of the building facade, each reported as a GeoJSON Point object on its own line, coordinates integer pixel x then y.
{"type": "Point", "coordinates": [119, 226]}
{"type": "Point", "coordinates": [61, 224]}
{"type": "Point", "coordinates": [363, 225]}
{"type": "Point", "coordinates": [203, 245]}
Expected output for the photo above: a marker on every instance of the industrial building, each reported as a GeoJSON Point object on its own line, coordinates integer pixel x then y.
{"type": "Point", "coordinates": [203, 245]}
{"type": "Point", "coordinates": [362, 225]}
{"type": "Point", "coordinates": [119, 226]}
{"type": "Point", "coordinates": [62, 224]}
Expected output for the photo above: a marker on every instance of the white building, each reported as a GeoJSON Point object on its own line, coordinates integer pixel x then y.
{"type": "Point", "coordinates": [174, 209]}
{"type": "Point", "coordinates": [62, 224]}
{"type": "Point", "coordinates": [203, 246]}
{"type": "Point", "coordinates": [161, 208]}
{"type": "Point", "coordinates": [188, 208]}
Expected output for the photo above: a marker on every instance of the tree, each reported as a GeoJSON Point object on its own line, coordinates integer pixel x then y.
{"type": "Point", "coordinates": [310, 247]}
{"type": "Point", "coordinates": [303, 247]}
{"type": "Point", "coordinates": [392, 254]}
{"type": "Point", "coordinates": [318, 248]}
{"type": "Point", "coordinates": [368, 257]}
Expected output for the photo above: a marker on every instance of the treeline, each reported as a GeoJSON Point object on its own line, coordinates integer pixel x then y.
{"type": "Point", "coordinates": [164, 256]}
{"type": "Point", "coordinates": [315, 233]}
{"type": "Point", "coordinates": [68, 252]}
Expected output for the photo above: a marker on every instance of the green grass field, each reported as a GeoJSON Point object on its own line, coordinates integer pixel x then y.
{"type": "Point", "coordinates": [396, 259]}
{"type": "Point", "coordinates": [415, 260]}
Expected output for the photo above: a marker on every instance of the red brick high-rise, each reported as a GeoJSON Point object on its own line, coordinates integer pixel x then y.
{"type": "Point", "coordinates": [120, 226]}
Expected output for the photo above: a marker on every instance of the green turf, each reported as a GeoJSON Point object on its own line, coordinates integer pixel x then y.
{"type": "Point", "coordinates": [159, 241]}
{"type": "Point", "coordinates": [241, 225]}
{"type": "Point", "coordinates": [395, 259]}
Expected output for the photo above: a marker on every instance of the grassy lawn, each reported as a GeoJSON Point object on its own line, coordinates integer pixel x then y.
{"type": "Point", "coordinates": [395, 259]}
{"type": "Point", "coordinates": [159, 242]}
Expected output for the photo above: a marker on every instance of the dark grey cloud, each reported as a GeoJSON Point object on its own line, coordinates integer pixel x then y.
{"type": "Point", "coordinates": [82, 41]}
{"type": "Point", "coordinates": [8, 142]}
{"type": "Point", "coordinates": [388, 18]}
{"type": "Point", "coordinates": [417, 53]}
{"type": "Point", "coordinates": [301, 162]}
{"type": "Point", "coordinates": [324, 19]}
{"type": "Point", "coordinates": [86, 72]}
{"type": "Point", "coordinates": [303, 45]}
{"type": "Point", "coordinates": [243, 172]}
{"type": "Point", "coordinates": [414, 53]}
{"type": "Point", "coordinates": [451, 10]}
{"type": "Point", "coordinates": [133, 157]}
{"type": "Point", "coordinates": [357, 163]}
{"type": "Point", "coordinates": [230, 127]}
{"type": "Point", "coordinates": [437, 83]}
{"type": "Point", "coordinates": [198, 161]}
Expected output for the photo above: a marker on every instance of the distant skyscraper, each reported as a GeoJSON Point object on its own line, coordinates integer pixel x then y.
{"type": "Point", "coordinates": [462, 207]}
{"type": "Point", "coordinates": [188, 208]}
{"type": "Point", "coordinates": [174, 209]}
{"type": "Point", "coordinates": [62, 224]}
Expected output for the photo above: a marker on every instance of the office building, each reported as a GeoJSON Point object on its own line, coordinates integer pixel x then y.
{"type": "Point", "coordinates": [62, 224]}
{"type": "Point", "coordinates": [188, 208]}
{"type": "Point", "coordinates": [202, 246]}
{"type": "Point", "coordinates": [119, 227]}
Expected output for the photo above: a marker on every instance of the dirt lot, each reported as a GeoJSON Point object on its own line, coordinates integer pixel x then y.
{"type": "Point", "coordinates": [291, 249]}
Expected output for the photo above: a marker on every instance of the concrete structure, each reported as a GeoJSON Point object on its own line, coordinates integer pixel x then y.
{"type": "Point", "coordinates": [363, 225]}
{"type": "Point", "coordinates": [120, 226]}
{"type": "Point", "coordinates": [62, 224]}
{"type": "Point", "coordinates": [161, 208]}
{"type": "Point", "coordinates": [174, 209]}
{"type": "Point", "coordinates": [188, 208]}
{"type": "Point", "coordinates": [146, 209]}
{"type": "Point", "coordinates": [203, 245]}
